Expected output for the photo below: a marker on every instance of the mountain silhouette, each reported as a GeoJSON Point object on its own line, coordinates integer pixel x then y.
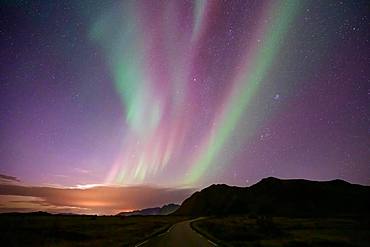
{"type": "Point", "coordinates": [273, 196]}
{"type": "Point", "coordinates": [165, 210]}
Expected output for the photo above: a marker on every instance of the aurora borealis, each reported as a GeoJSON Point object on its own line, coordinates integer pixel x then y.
{"type": "Point", "coordinates": [156, 82]}
{"type": "Point", "coordinates": [181, 94]}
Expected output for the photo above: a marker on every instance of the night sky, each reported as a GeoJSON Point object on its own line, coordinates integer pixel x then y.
{"type": "Point", "coordinates": [157, 99]}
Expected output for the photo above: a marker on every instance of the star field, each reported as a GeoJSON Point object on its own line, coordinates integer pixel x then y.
{"type": "Point", "coordinates": [184, 93]}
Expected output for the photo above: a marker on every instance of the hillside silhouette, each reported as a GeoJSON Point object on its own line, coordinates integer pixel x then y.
{"type": "Point", "coordinates": [278, 197]}
{"type": "Point", "coordinates": [164, 210]}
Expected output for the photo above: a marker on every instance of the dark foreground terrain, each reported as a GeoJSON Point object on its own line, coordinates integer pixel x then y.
{"type": "Point", "coordinates": [281, 231]}
{"type": "Point", "coordinates": [273, 212]}
{"type": "Point", "coordinates": [57, 230]}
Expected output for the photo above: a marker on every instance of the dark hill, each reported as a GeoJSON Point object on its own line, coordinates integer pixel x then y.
{"type": "Point", "coordinates": [165, 210]}
{"type": "Point", "coordinates": [272, 196]}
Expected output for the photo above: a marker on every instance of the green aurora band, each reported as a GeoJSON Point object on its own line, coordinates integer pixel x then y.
{"type": "Point", "coordinates": [244, 89]}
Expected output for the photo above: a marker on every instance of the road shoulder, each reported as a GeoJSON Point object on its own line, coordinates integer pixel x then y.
{"type": "Point", "coordinates": [214, 241]}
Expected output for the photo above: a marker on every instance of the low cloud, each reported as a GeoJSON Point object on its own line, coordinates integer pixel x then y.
{"type": "Point", "coordinates": [94, 200]}
{"type": "Point", "coordinates": [6, 178]}
{"type": "Point", "coordinates": [79, 170]}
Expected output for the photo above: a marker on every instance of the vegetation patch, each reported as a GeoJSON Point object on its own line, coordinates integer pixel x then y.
{"type": "Point", "coordinates": [57, 230]}
{"type": "Point", "coordinates": [282, 231]}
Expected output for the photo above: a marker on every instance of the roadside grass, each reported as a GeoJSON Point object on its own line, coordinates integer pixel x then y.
{"type": "Point", "coordinates": [56, 230]}
{"type": "Point", "coordinates": [280, 231]}
{"type": "Point", "coordinates": [205, 233]}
